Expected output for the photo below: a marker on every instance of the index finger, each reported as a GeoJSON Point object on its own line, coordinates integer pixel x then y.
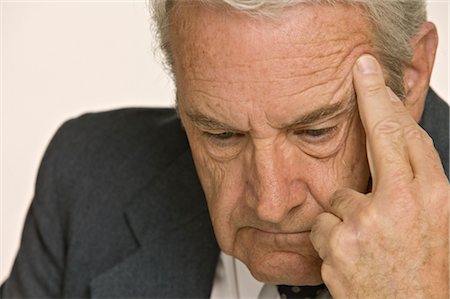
{"type": "Point", "coordinates": [383, 121]}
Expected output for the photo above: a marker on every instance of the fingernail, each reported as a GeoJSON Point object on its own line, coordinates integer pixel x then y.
{"type": "Point", "coordinates": [367, 65]}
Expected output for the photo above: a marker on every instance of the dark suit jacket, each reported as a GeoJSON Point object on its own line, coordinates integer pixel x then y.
{"type": "Point", "coordinates": [119, 212]}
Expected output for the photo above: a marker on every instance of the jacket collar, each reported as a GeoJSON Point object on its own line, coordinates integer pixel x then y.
{"type": "Point", "coordinates": [435, 121]}
{"type": "Point", "coordinates": [177, 253]}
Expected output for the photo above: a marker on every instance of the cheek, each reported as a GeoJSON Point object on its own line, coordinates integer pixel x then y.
{"type": "Point", "coordinates": [354, 171]}
{"type": "Point", "coordinates": [224, 188]}
{"type": "Point", "coordinates": [348, 168]}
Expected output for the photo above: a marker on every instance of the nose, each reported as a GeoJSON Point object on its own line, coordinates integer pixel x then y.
{"type": "Point", "coordinates": [276, 188]}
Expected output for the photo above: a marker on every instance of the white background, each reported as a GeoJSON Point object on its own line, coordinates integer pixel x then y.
{"type": "Point", "coordinates": [60, 59]}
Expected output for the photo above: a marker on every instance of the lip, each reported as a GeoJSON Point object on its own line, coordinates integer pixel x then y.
{"type": "Point", "coordinates": [283, 240]}
{"type": "Point", "coordinates": [283, 232]}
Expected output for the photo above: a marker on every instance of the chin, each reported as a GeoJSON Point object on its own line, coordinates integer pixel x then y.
{"type": "Point", "coordinates": [286, 268]}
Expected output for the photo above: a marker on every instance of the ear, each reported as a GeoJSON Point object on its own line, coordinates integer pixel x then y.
{"type": "Point", "coordinates": [418, 72]}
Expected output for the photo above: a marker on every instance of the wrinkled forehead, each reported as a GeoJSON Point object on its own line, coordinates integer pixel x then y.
{"type": "Point", "coordinates": [253, 70]}
{"type": "Point", "coordinates": [220, 37]}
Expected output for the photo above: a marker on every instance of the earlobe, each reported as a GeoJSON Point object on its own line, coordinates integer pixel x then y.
{"type": "Point", "coordinates": [417, 73]}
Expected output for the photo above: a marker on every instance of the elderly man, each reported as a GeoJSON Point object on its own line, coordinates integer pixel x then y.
{"type": "Point", "coordinates": [302, 122]}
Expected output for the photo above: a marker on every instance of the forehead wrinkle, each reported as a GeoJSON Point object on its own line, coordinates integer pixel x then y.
{"type": "Point", "coordinates": [328, 64]}
{"type": "Point", "coordinates": [207, 95]}
{"type": "Point", "coordinates": [308, 88]}
{"type": "Point", "coordinates": [311, 17]}
{"type": "Point", "coordinates": [298, 67]}
{"type": "Point", "coordinates": [279, 76]}
{"type": "Point", "coordinates": [340, 75]}
{"type": "Point", "coordinates": [329, 47]}
{"type": "Point", "coordinates": [284, 67]}
{"type": "Point", "coordinates": [305, 52]}
{"type": "Point", "coordinates": [205, 111]}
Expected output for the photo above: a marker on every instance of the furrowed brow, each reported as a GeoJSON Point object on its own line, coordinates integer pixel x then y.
{"type": "Point", "coordinates": [208, 123]}
{"type": "Point", "coordinates": [324, 112]}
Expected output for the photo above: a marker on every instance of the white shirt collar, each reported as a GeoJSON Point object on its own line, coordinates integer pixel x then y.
{"type": "Point", "coordinates": [234, 280]}
{"type": "Point", "coordinates": [248, 286]}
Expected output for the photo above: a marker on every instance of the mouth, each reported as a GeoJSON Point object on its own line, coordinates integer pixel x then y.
{"type": "Point", "coordinates": [279, 231]}
{"type": "Point", "coordinates": [293, 232]}
{"type": "Point", "coordinates": [278, 243]}
{"type": "Point", "coordinates": [283, 240]}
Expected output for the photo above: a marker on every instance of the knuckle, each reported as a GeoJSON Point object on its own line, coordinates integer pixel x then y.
{"type": "Point", "coordinates": [367, 218]}
{"type": "Point", "coordinates": [413, 132]}
{"type": "Point", "coordinates": [336, 239]}
{"type": "Point", "coordinates": [372, 88]}
{"type": "Point", "coordinates": [416, 132]}
{"type": "Point", "coordinates": [405, 198]}
{"type": "Point", "coordinates": [344, 243]}
{"type": "Point", "coordinates": [338, 242]}
{"type": "Point", "coordinates": [388, 125]}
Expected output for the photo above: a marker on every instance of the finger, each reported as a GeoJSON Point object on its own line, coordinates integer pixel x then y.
{"type": "Point", "coordinates": [383, 120]}
{"type": "Point", "coordinates": [321, 232]}
{"type": "Point", "coordinates": [423, 157]}
{"type": "Point", "coordinates": [336, 284]}
{"type": "Point", "coordinates": [346, 203]}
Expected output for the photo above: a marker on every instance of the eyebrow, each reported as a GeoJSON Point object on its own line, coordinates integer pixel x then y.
{"type": "Point", "coordinates": [321, 113]}
{"type": "Point", "coordinates": [335, 109]}
{"type": "Point", "coordinates": [207, 122]}
{"type": "Point", "coordinates": [324, 112]}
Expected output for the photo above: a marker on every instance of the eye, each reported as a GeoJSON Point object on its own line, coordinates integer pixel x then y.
{"type": "Point", "coordinates": [318, 132]}
{"type": "Point", "coordinates": [222, 135]}
{"type": "Point", "coordinates": [222, 139]}
{"type": "Point", "coordinates": [316, 135]}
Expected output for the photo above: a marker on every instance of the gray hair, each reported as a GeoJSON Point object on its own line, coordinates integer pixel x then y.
{"type": "Point", "coordinates": [394, 24]}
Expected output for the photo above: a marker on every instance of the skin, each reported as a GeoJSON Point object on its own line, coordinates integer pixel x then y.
{"type": "Point", "coordinates": [392, 242]}
{"type": "Point", "coordinates": [266, 184]}
{"type": "Point", "coordinates": [269, 108]}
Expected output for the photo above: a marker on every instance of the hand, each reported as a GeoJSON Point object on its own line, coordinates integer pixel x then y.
{"type": "Point", "coordinates": [393, 242]}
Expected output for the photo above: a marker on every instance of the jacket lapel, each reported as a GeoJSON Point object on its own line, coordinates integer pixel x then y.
{"type": "Point", "coordinates": [178, 252]}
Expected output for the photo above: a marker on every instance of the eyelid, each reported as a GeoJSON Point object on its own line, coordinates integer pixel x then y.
{"type": "Point", "coordinates": [220, 131]}
{"type": "Point", "coordinates": [322, 129]}
{"type": "Point", "coordinates": [328, 134]}
{"type": "Point", "coordinates": [325, 130]}
{"type": "Point", "coordinates": [221, 134]}
{"type": "Point", "coordinates": [323, 123]}
{"type": "Point", "coordinates": [217, 139]}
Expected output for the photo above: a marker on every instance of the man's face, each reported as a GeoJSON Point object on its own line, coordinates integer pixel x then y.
{"type": "Point", "coordinates": [269, 110]}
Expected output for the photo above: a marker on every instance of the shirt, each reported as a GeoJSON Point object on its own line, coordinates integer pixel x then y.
{"type": "Point", "coordinates": [234, 280]}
